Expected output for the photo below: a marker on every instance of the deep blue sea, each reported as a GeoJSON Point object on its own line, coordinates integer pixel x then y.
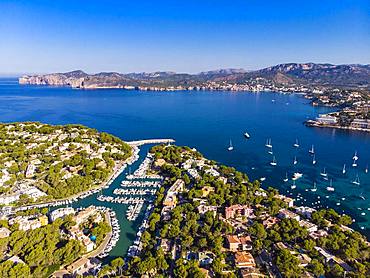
{"type": "Point", "coordinates": [208, 121]}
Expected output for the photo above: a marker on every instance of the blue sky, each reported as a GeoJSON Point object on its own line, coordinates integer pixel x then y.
{"type": "Point", "coordinates": [185, 36]}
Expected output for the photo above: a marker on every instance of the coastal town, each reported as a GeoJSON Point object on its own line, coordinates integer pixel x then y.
{"type": "Point", "coordinates": [199, 219]}
{"type": "Point", "coordinates": [209, 220]}
{"type": "Point", "coordinates": [42, 163]}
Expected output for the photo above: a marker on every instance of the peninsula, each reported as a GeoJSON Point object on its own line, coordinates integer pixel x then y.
{"type": "Point", "coordinates": [344, 86]}
{"type": "Point", "coordinates": [40, 162]}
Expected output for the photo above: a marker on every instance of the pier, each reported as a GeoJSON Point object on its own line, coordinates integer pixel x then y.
{"type": "Point", "coordinates": [150, 141]}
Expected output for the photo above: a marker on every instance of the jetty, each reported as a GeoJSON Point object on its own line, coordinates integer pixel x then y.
{"type": "Point", "coordinates": [150, 141]}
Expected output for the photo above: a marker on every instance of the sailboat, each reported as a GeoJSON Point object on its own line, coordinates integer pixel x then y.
{"type": "Point", "coordinates": [314, 189]}
{"type": "Point", "coordinates": [268, 143]}
{"type": "Point", "coordinates": [362, 196]}
{"type": "Point", "coordinates": [354, 164]}
{"type": "Point", "coordinates": [270, 151]}
{"type": "Point", "coordinates": [286, 177]}
{"type": "Point", "coordinates": [246, 135]}
{"type": "Point", "coordinates": [344, 169]}
{"type": "Point", "coordinates": [357, 180]}
{"type": "Point", "coordinates": [296, 145]}
{"type": "Point", "coordinates": [313, 160]}
{"type": "Point", "coordinates": [323, 173]}
{"type": "Point", "coordinates": [355, 157]}
{"type": "Point", "coordinates": [230, 148]}
{"type": "Point", "coordinates": [293, 185]}
{"type": "Point", "coordinates": [273, 162]}
{"type": "Point", "coordinates": [330, 187]}
{"type": "Point", "coordinates": [312, 150]}
{"type": "Point", "coordinates": [295, 160]}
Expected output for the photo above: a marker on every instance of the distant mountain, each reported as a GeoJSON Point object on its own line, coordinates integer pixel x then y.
{"type": "Point", "coordinates": [348, 76]}
{"type": "Point", "coordinates": [323, 74]}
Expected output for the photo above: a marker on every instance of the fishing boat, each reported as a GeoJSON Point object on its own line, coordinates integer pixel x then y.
{"type": "Point", "coordinates": [354, 164]}
{"type": "Point", "coordinates": [355, 156]}
{"type": "Point", "coordinates": [344, 169]}
{"type": "Point", "coordinates": [273, 162]}
{"type": "Point", "coordinates": [246, 135]}
{"type": "Point", "coordinates": [293, 186]}
{"type": "Point", "coordinates": [286, 177]}
{"type": "Point", "coordinates": [313, 160]}
{"type": "Point", "coordinates": [296, 144]}
{"type": "Point", "coordinates": [312, 150]}
{"type": "Point", "coordinates": [356, 181]}
{"type": "Point", "coordinates": [268, 143]}
{"type": "Point", "coordinates": [323, 173]}
{"type": "Point", "coordinates": [330, 187]}
{"type": "Point", "coordinates": [295, 160]}
{"type": "Point", "coordinates": [230, 148]}
{"type": "Point", "coordinates": [314, 189]}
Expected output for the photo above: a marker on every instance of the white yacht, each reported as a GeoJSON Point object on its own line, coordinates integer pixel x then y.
{"type": "Point", "coordinates": [330, 187]}
{"type": "Point", "coordinates": [268, 143]}
{"type": "Point", "coordinates": [262, 179]}
{"type": "Point", "coordinates": [323, 173]}
{"type": "Point", "coordinates": [356, 181]}
{"type": "Point", "coordinates": [355, 156]}
{"type": "Point", "coordinates": [295, 160]}
{"type": "Point", "coordinates": [296, 144]}
{"type": "Point", "coordinates": [314, 189]}
{"type": "Point", "coordinates": [312, 150]}
{"type": "Point", "coordinates": [286, 177]}
{"type": "Point", "coordinates": [293, 185]}
{"type": "Point", "coordinates": [230, 148]}
{"type": "Point", "coordinates": [273, 162]}
{"type": "Point", "coordinates": [367, 169]}
{"type": "Point", "coordinates": [246, 135]}
{"type": "Point", "coordinates": [313, 160]}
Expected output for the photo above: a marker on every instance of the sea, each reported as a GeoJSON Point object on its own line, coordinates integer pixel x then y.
{"type": "Point", "coordinates": [209, 121]}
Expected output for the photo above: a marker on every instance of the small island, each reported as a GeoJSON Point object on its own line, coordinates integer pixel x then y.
{"type": "Point", "coordinates": [41, 163]}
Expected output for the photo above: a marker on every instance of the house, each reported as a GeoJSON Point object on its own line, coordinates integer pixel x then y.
{"type": "Point", "coordinates": [80, 266]}
{"type": "Point", "coordinates": [286, 200]}
{"type": "Point", "coordinates": [304, 260]}
{"type": "Point", "coordinates": [233, 243]}
{"type": "Point", "coordinates": [16, 260]}
{"type": "Point", "coordinates": [327, 256]}
{"type": "Point", "coordinates": [206, 190]}
{"type": "Point", "coordinates": [60, 213]}
{"type": "Point", "coordinates": [326, 119]}
{"type": "Point", "coordinates": [239, 243]}
{"type": "Point", "coordinates": [284, 213]}
{"type": "Point", "coordinates": [84, 214]}
{"type": "Point", "coordinates": [244, 260]}
{"type": "Point", "coordinates": [205, 258]}
{"type": "Point", "coordinates": [170, 201]}
{"type": "Point", "coordinates": [251, 272]}
{"type": "Point", "coordinates": [270, 221]}
{"type": "Point", "coordinates": [238, 211]}
{"type": "Point", "coordinates": [203, 209]}
{"type": "Point", "coordinates": [165, 244]}
{"type": "Point", "coordinates": [308, 225]}
{"type": "Point", "coordinates": [4, 232]}
{"type": "Point", "coordinates": [318, 234]}
{"type": "Point", "coordinates": [305, 211]}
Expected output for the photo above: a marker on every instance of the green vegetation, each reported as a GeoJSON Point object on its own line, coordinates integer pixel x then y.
{"type": "Point", "coordinates": [43, 251]}
{"type": "Point", "coordinates": [61, 161]}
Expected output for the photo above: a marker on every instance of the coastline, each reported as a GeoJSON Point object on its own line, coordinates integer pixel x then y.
{"type": "Point", "coordinates": [313, 123]}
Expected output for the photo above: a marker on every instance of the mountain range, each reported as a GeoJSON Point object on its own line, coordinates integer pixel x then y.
{"type": "Point", "coordinates": [344, 76]}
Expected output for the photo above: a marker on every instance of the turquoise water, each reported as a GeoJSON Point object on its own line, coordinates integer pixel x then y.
{"type": "Point", "coordinates": [207, 121]}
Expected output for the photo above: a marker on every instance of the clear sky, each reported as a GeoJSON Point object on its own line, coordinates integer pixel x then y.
{"type": "Point", "coordinates": [38, 36]}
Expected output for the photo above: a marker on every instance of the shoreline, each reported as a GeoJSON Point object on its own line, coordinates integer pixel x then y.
{"type": "Point", "coordinates": [312, 123]}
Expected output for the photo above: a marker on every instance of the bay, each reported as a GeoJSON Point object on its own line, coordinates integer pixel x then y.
{"type": "Point", "coordinates": [208, 121]}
